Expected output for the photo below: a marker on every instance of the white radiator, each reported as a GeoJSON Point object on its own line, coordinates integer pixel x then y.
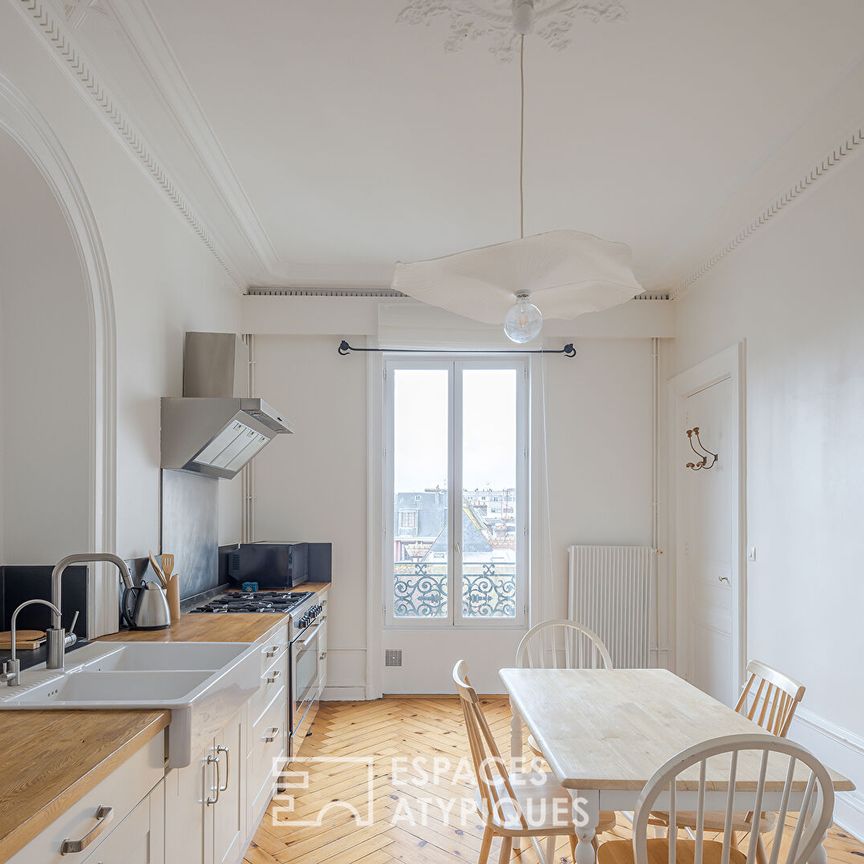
{"type": "Point", "coordinates": [610, 593]}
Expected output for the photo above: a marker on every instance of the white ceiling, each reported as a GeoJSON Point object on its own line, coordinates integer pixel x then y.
{"type": "Point", "coordinates": [322, 141]}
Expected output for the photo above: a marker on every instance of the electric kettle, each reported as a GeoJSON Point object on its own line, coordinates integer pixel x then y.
{"type": "Point", "coordinates": [150, 610]}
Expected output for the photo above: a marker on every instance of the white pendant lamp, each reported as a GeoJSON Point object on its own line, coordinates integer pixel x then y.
{"type": "Point", "coordinates": [557, 274]}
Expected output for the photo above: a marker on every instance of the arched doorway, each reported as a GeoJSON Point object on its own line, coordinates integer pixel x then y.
{"type": "Point", "coordinates": [57, 365]}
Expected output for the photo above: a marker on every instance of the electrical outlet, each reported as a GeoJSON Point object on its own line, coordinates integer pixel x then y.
{"type": "Point", "coordinates": [392, 656]}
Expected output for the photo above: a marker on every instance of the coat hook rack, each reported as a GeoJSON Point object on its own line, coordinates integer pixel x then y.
{"type": "Point", "coordinates": [704, 456]}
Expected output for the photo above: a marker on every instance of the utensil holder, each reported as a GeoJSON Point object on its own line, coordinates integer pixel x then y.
{"type": "Point", "coordinates": [173, 591]}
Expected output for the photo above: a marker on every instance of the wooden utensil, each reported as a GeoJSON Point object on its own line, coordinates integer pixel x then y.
{"type": "Point", "coordinates": [173, 593]}
{"type": "Point", "coordinates": [167, 565]}
{"type": "Point", "coordinates": [157, 569]}
{"type": "Point", "coordinates": [25, 640]}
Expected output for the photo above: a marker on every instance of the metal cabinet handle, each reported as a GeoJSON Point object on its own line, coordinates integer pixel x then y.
{"type": "Point", "coordinates": [272, 652]}
{"type": "Point", "coordinates": [724, 579]}
{"type": "Point", "coordinates": [104, 815]}
{"type": "Point", "coordinates": [227, 752]}
{"type": "Point", "coordinates": [269, 739]}
{"type": "Point", "coordinates": [323, 655]}
{"type": "Point", "coordinates": [271, 679]}
{"type": "Point", "coordinates": [214, 760]}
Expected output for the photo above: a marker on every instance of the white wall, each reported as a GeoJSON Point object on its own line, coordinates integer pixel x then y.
{"type": "Point", "coordinates": [45, 404]}
{"type": "Point", "coordinates": [164, 279]}
{"type": "Point", "coordinates": [313, 486]}
{"type": "Point", "coordinates": [794, 293]}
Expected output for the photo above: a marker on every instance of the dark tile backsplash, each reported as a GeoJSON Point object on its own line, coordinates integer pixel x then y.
{"type": "Point", "coordinates": [19, 583]}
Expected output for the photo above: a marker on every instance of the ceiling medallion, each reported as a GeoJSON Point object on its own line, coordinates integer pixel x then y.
{"type": "Point", "coordinates": [491, 21]}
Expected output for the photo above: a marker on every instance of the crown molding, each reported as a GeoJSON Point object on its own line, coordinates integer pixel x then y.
{"type": "Point", "coordinates": [71, 57]}
{"type": "Point", "coordinates": [806, 182]}
{"type": "Point", "coordinates": [137, 25]}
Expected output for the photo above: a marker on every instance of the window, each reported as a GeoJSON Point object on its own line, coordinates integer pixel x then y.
{"type": "Point", "coordinates": [457, 494]}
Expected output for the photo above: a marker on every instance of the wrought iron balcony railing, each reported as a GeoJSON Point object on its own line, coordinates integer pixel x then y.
{"type": "Point", "coordinates": [488, 590]}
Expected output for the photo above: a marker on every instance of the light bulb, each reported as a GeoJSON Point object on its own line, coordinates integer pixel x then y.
{"type": "Point", "coordinates": [523, 16]}
{"type": "Point", "coordinates": [523, 321]}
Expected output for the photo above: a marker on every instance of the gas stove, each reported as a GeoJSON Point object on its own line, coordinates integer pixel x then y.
{"type": "Point", "coordinates": [281, 603]}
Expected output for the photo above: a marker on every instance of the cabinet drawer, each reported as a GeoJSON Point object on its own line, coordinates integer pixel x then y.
{"type": "Point", "coordinates": [273, 645]}
{"type": "Point", "coordinates": [137, 839]}
{"type": "Point", "coordinates": [122, 790]}
{"type": "Point", "coordinates": [263, 752]}
{"type": "Point", "coordinates": [274, 678]}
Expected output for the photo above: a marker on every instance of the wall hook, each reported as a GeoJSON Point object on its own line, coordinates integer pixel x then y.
{"type": "Point", "coordinates": [704, 456]}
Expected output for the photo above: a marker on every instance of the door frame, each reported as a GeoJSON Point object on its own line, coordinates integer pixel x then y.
{"type": "Point", "coordinates": [727, 365]}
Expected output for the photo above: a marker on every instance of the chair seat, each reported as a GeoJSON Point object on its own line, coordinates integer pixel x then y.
{"type": "Point", "coordinates": [716, 821]}
{"type": "Point", "coordinates": [544, 802]}
{"type": "Point", "coordinates": [621, 852]}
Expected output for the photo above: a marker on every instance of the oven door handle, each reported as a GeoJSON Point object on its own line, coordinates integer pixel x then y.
{"type": "Point", "coordinates": [309, 639]}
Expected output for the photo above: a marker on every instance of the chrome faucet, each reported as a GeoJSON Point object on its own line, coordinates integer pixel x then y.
{"type": "Point", "coordinates": [57, 639]}
{"type": "Point", "coordinates": [12, 668]}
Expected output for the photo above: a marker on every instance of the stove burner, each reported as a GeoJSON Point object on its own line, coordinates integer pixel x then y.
{"type": "Point", "coordinates": [254, 601]}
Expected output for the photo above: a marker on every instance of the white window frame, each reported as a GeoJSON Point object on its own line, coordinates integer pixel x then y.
{"type": "Point", "coordinates": [454, 367]}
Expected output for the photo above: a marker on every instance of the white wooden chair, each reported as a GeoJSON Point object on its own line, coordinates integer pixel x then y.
{"type": "Point", "coordinates": [675, 777]}
{"type": "Point", "coordinates": [563, 644]}
{"type": "Point", "coordinates": [769, 699]}
{"type": "Point", "coordinates": [512, 805]}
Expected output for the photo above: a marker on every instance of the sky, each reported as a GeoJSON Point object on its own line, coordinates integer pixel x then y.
{"type": "Point", "coordinates": [489, 428]}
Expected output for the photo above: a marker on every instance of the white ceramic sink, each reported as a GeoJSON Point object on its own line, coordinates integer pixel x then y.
{"type": "Point", "coordinates": [113, 689]}
{"type": "Point", "coordinates": [144, 656]}
{"type": "Point", "coordinates": [202, 683]}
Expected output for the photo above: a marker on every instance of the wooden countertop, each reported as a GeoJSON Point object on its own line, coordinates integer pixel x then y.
{"type": "Point", "coordinates": [242, 627]}
{"type": "Point", "coordinates": [51, 759]}
{"type": "Point", "coordinates": [239, 627]}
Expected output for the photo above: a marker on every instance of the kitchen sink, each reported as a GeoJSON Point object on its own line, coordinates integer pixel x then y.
{"type": "Point", "coordinates": [202, 683]}
{"type": "Point", "coordinates": [157, 656]}
{"type": "Point", "coordinates": [113, 689]}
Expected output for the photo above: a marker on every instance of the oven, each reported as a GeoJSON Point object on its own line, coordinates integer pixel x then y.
{"type": "Point", "coordinates": [308, 657]}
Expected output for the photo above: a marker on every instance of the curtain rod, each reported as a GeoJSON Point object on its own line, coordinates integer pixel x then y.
{"type": "Point", "coordinates": [568, 350]}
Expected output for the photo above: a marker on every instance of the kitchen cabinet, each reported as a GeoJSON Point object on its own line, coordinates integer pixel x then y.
{"type": "Point", "coordinates": [119, 821]}
{"type": "Point", "coordinates": [205, 802]}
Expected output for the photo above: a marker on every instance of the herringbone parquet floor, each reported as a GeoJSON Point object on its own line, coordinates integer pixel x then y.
{"type": "Point", "coordinates": [418, 785]}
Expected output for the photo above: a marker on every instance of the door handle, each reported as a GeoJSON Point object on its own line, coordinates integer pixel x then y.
{"type": "Point", "coordinates": [104, 815]}
{"type": "Point", "coordinates": [214, 760]}
{"type": "Point", "coordinates": [725, 579]}
{"type": "Point", "coordinates": [227, 752]}
{"type": "Point", "coordinates": [308, 640]}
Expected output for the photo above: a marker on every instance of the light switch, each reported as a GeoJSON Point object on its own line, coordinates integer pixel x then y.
{"type": "Point", "coordinates": [751, 553]}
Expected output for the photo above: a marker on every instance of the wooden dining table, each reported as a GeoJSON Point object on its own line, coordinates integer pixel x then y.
{"type": "Point", "coordinates": [605, 732]}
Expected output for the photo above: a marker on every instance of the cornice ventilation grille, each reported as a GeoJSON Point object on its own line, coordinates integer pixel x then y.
{"type": "Point", "coordinates": [654, 295]}
{"type": "Point", "coordinates": [833, 159]}
{"type": "Point", "coordinates": [326, 292]}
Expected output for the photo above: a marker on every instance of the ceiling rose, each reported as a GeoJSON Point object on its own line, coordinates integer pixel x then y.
{"type": "Point", "coordinates": [491, 21]}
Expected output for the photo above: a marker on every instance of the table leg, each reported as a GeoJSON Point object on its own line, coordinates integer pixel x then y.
{"type": "Point", "coordinates": [515, 751]}
{"type": "Point", "coordinates": [515, 739]}
{"type": "Point", "coordinates": [590, 807]}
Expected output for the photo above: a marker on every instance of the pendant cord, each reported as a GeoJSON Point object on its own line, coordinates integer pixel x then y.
{"type": "Point", "coordinates": [522, 137]}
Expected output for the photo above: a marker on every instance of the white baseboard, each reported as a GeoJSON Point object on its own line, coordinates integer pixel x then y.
{"type": "Point", "coordinates": [355, 693]}
{"type": "Point", "coordinates": [842, 750]}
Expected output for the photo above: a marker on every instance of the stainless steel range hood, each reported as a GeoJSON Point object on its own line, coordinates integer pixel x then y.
{"type": "Point", "coordinates": [214, 429]}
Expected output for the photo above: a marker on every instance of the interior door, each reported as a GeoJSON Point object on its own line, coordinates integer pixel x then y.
{"type": "Point", "coordinates": [709, 541]}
